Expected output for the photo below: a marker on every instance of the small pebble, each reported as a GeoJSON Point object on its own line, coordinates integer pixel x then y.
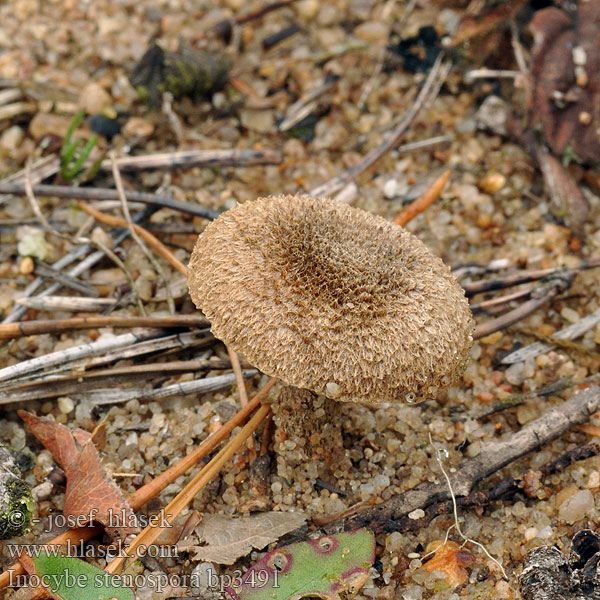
{"type": "Point", "coordinates": [416, 514]}
{"type": "Point", "coordinates": [515, 374]}
{"type": "Point", "coordinates": [577, 507]}
{"type": "Point", "coordinates": [42, 491]}
{"type": "Point", "coordinates": [11, 138]}
{"type": "Point", "coordinates": [94, 98]}
{"type": "Point", "coordinates": [138, 127]}
{"type": "Point", "coordinates": [372, 31]}
{"type": "Point", "coordinates": [26, 266]}
{"type": "Point", "coordinates": [308, 9]}
{"type": "Point", "coordinates": [389, 188]}
{"type": "Point", "coordinates": [569, 314]}
{"type": "Point", "coordinates": [261, 121]}
{"type": "Point", "coordinates": [492, 182]}
{"type": "Point", "coordinates": [65, 405]}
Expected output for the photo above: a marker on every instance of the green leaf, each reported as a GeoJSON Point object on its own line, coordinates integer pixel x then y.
{"type": "Point", "coordinates": [331, 568]}
{"type": "Point", "coordinates": [73, 579]}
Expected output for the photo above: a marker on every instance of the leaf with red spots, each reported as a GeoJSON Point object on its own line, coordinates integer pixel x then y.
{"type": "Point", "coordinates": [330, 568]}
{"type": "Point", "coordinates": [91, 494]}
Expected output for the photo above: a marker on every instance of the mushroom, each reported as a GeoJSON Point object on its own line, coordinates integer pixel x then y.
{"type": "Point", "coordinates": [331, 299]}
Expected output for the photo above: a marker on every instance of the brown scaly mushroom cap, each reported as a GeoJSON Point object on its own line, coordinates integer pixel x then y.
{"type": "Point", "coordinates": [331, 298]}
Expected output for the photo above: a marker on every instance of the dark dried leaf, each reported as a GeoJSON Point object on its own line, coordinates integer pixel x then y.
{"type": "Point", "coordinates": [564, 95]}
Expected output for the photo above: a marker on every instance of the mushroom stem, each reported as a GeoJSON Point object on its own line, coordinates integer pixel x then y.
{"type": "Point", "coordinates": [309, 427]}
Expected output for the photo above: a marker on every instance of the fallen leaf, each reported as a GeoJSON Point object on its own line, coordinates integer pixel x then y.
{"type": "Point", "coordinates": [58, 439]}
{"type": "Point", "coordinates": [91, 493]}
{"type": "Point", "coordinates": [564, 87]}
{"type": "Point", "coordinates": [451, 559]}
{"type": "Point", "coordinates": [330, 568]}
{"type": "Point", "coordinates": [228, 539]}
{"type": "Point", "coordinates": [484, 30]}
{"type": "Point", "coordinates": [568, 201]}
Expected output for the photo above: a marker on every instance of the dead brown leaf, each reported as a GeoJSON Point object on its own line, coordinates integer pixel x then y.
{"type": "Point", "coordinates": [91, 493]}
{"type": "Point", "coordinates": [564, 87]}
{"type": "Point", "coordinates": [451, 559]}
{"type": "Point", "coordinates": [228, 539]}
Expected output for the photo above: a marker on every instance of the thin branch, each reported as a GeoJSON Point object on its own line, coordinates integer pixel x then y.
{"type": "Point", "coordinates": [196, 158]}
{"type": "Point", "coordinates": [66, 191]}
{"type": "Point", "coordinates": [75, 352]}
{"type": "Point", "coordinates": [499, 283]}
{"type": "Point", "coordinates": [68, 303]}
{"type": "Point", "coordinates": [65, 280]}
{"type": "Point", "coordinates": [197, 483]}
{"type": "Point", "coordinates": [24, 328]}
{"type": "Point", "coordinates": [63, 385]}
{"type": "Point", "coordinates": [105, 396]}
{"type": "Point", "coordinates": [542, 294]}
{"type": "Point", "coordinates": [134, 233]}
{"type": "Point", "coordinates": [493, 456]}
{"type": "Point", "coordinates": [492, 303]}
{"type": "Point", "coordinates": [327, 189]}
{"type": "Point", "coordinates": [503, 490]}
{"type": "Point", "coordinates": [145, 234]}
{"type": "Point", "coordinates": [567, 333]}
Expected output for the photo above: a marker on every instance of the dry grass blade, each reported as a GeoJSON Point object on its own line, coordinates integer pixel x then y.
{"type": "Point", "coordinates": [439, 71]}
{"type": "Point", "coordinates": [143, 233]}
{"type": "Point", "coordinates": [75, 352]}
{"type": "Point", "coordinates": [67, 303]}
{"type": "Point", "coordinates": [73, 384]}
{"type": "Point", "coordinates": [134, 233]}
{"type": "Point", "coordinates": [150, 533]}
{"type": "Point", "coordinates": [196, 158]}
{"type": "Point", "coordinates": [102, 397]}
{"type": "Point", "coordinates": [66, 191]}
{"type": "Point", "coordinates": [65, 280]}
{"type": "Point", "coordinates": [25, 328]}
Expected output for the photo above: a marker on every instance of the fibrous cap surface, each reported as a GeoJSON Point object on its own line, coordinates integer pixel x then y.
{"type": "Point", "coordinates": [331, 298]}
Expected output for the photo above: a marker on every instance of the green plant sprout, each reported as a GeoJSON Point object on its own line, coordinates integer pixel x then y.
{"type": "Point", "coordinates": [73, 157]}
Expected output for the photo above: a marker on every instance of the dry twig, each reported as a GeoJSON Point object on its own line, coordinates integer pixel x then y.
{"type": "Point", "coordinates": [25, 328]}
{"type": "Point", "coordinates": [66, 191]}
{"type": "Point", "coordinates": [541, 295]}
{"type": "Point", "coordinates": [197, 483]}
{"type": "Point", "coordinates": [438, 71]}
{"type": "Point", "coordinates": [568, 333]}
{"type": "Point", "coordinates": [493, 456]}
{"type": "Point", "coordinates": [134, 233]}
{"type": "Point", "coordinates": [422, 203]}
